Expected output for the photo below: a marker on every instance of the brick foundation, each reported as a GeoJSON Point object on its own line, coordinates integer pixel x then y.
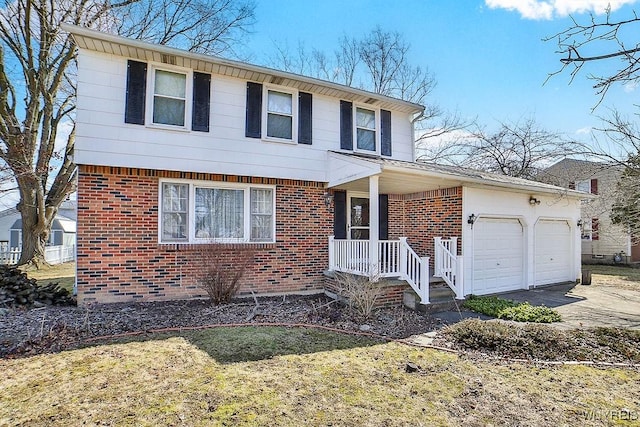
{"type": "Point", "coordinates": [119, 258]}
{"type": "Point", "coordinates": [391, 292]}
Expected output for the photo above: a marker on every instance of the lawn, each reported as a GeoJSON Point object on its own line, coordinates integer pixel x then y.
{"type": "Point", "coordinates": [64, 274]}
{"type": "Point", "coordinates": [298, 376]}
{"type": "Point", "coordinates": [613, 275]}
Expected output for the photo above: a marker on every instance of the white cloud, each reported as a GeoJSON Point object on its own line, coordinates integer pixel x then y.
{"type": "Point", "coordinates": [631, 86]}
{"type": "Point", "coordinates": [540, 9]}
{"type": "Point", "coordinates": [584, 131]}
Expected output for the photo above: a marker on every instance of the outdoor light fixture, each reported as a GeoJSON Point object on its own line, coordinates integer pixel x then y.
{"type": "Point", "coordinates": [533, 201]}
{"type": "Point", "coordinates": [472, 218]}
{"type": "Point", "coordinates": [328, 198]}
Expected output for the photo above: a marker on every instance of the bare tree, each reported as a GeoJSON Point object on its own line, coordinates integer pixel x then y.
{"type": "Point", "coordinates": [37, 85]}
{"type": "Point", "coordinates": [626, 204]}
{"type": "Point", "coordinates": [518, 149]}
{"type": "Point", "coordinates": [603, 40]}
{"type": "Point", "coordinates": [378, 62]}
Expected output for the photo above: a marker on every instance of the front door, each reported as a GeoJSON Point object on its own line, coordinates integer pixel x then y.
{"type": "Point", "coordinates": [358, 217]}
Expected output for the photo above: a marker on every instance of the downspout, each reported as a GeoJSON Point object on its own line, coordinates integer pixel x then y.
{"type": "Point", "coordinates": [417, 117]}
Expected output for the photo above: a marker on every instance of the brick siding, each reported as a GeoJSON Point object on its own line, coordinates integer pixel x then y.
{"type": "Point", "coordinates": [421, 217]}
{"type": "Point", "coordinates": [119, 258]}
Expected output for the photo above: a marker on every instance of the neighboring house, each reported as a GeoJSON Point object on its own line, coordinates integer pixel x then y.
{"type": "Point", "coordinates": [180, 152]}
{"type": "Point", "coordinates": [602, 241]}
{"type": "Point", "coordinates": [60, 246]}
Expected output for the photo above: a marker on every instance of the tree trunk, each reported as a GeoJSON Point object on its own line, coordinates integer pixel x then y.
{"type": "Point", "coordinates": [36, 222]}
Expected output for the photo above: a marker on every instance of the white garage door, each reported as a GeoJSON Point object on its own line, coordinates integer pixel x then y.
{"type": "Point", "coordinates": [498, 251]}
{"type": "Point", "coordinates": [553, 252]}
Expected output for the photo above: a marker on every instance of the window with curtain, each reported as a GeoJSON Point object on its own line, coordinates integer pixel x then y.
{"type": "Point", "coordinates": [169, 98]}
{"type": "Point", "coordinates": [236, 214]}
{"type": "Point", "coordinates": [366, 129]}
{"type": "Point", "coordinates": [219, 213]}
{"type": "Point", "coordinates": [175, 204]}
{"type": "Point", "coordinates": [279, 115]}
{"type": "Point", "coordinates": [261, 214]}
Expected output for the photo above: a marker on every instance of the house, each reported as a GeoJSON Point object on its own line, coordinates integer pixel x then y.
{"type": "Point", "coordinates": [602, 241]}
{"type": "Point", "coordinates": [62, 238]}
{"type": "Point", "coordinates": [178, 151]}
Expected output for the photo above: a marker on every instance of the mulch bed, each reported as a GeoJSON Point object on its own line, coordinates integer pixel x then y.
{"type": "Point", "coordinates": [49, 329]}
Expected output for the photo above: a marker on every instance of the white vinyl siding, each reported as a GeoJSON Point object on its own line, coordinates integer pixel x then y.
{"type": "Point", "coordinates": [104, 139]}
{"type": "Point", "coordinates": [206, 212]}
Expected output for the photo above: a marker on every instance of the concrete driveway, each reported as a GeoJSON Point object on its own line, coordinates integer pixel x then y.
{"type": "Point", "coordinates": [586, 306]}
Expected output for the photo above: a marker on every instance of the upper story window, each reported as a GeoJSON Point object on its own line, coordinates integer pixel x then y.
{"type": "Point", "coordinates": [173, 98]}
{"type": "Point", "coordinates": [204, 212]}
{"type": "Point", "coordinates": [279, 115]}
{"type": "Point", "coordinates": [366, 129]}
{"type": "Point", "coordinates": [286, 115]}
{"type": "Point", "coordinates": [169, 98]}
{"type": "Point", "coordinates": [588, 186]}
{"type": "Point", "coordinates": [371, 129]}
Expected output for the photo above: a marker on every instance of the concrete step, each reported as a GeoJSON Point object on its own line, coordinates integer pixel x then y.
{"type": "Point", "coordinates": [441, 298]}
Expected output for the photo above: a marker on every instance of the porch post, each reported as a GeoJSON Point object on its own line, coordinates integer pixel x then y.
{"type": "Point", "coordinates": [374, 233]}
{"type": "Point", "coordinates": [332, 260]}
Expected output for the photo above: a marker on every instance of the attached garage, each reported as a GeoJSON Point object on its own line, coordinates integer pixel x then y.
{"type": "Point", "coordinates": [553, 252]}
{"type": "Point", "coordinates": [498, 255]}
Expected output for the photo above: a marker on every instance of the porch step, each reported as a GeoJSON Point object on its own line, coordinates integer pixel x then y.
{"type": "Point", "coordinates": [441, 298]}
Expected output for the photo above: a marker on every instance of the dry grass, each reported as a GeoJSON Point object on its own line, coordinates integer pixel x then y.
{"type": "Point", "coordinates": [615, 276]}
{"type": "Point", "coordinates": [64, 274]}
{"type": "Point", "coordinates": [179, 380]}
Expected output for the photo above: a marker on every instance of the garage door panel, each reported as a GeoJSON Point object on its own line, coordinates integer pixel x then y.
{"type": "Point", "coordinates": [498, 255]}
{"type": "Point", "coordinates": [553, 254]}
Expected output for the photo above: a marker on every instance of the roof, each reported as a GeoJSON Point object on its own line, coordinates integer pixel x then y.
{"type": "Point", "coordinates": [63, 223]}
{"type": "Point", "coordinates": [116, 45]}
{"type": "Point", "coordinates": [450, 175]}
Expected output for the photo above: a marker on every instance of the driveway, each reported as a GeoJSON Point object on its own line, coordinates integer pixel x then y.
{"type": "Point", "coordinates": [580, 306]}
{"type": "Point", "coordinates": [586, 306]}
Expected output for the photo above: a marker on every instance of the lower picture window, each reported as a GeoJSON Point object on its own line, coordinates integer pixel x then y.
{"type": "Point", "coordinates": [202, 213]}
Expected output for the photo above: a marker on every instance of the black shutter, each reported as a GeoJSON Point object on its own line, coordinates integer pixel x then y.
{"type": "Point", "coordinates": [385, 132]}
{"type": "Point", "coordinates": [340, 214]}
{"type": "Point", "coordinates": [383, 216]}
{"type": "Point", "coordinates": [201, 102]}
{"type": "Point", "coordinates": [305, 103]}
{"type": "Point", "coordinates": [136, 92]}
{"type": "Point", "coordinates": [346, 125]}
{"type": "Point", "coordinates": [253, 127]}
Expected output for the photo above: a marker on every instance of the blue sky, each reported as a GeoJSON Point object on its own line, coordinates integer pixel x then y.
{"type": "Point", "coordinates": [488, 57]}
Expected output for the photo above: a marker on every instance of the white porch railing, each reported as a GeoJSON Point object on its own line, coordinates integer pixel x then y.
{"type": "Point", "coordinates": [52, 254]}
{"type": "Point", "coordinates": [448, 265]}
{"type": "Point", "coordinates": [396, 259]}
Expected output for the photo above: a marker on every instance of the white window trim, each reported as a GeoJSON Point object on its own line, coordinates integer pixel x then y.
{"type": "Point", "coordinates": [151, 81]}
{"type": "Point", "coordinates": [294, 113]}
{"type": "Point", "coordinates": [191, 226]}
{"type": "Point", "coordinates": [376, 111]}
{"type": "Point", "coordinates": [584, 183]}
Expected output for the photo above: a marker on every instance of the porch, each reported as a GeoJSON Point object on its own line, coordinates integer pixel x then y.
{"type": "Point", "coordinates": [396, 259]}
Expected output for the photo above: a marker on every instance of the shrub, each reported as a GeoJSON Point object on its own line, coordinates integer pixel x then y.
{"type": "Point", "coordinates": [526, 312]}
{"type": "Point", "coordinates": [518, 341]}
{"type": "Point", "coordinates": [360, 292]}
{"type": "Point", "coordinates": [510, 310]}
{"type": "Point", "coordinates": [222, 271]}
{"type": "Point", "coordinates": [489, 305]}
